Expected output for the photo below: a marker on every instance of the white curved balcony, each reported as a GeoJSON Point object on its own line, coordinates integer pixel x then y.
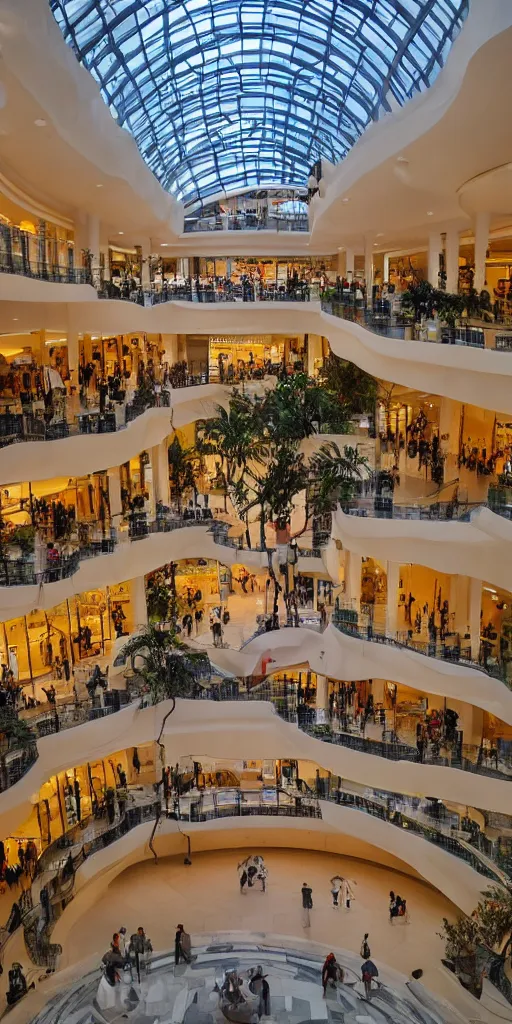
{"type": "Point", "coordinates": [165, 540]}
{"type": "Point", "coordinates": [481, 548]}
{"type": "Point", "coordinates": [475, 376]}
{"type": "Point", "coordinates": [30, 460]}
{"type": "Point", "coordinates": [238, 730]}
{"type": "Point", "coordinates": [338, 655]}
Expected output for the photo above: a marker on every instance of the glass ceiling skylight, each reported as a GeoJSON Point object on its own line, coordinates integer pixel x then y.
{"type": "Point", "coordinates": [224, 94]}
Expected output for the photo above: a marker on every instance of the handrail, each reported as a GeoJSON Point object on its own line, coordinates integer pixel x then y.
{"type": "Point", "coordinates": [38, 919]}
{"type": "Point", "coordinates": [456, 655]}
{"type": "Point", "coordinates": [21, 572]}
{"type": "Point", "coordinates": [398, 325]}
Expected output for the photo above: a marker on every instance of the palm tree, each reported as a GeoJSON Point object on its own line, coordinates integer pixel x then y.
{"type": "Point", "coordinates": [184, 465]}
{"type": "Point", "coordinates": [233, 435]}
{"type": "Point", "coordinates": [170, 668]}
{"type": "Point", "coordinates": [333, 475]}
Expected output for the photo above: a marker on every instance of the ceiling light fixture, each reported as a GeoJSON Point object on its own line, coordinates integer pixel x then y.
{"type": "Point", "coordinates": [346, 199]}
{"type": "Point", "coordinates": [121, 232]}
{"type": "Point", "coordinates": [99, 186]}
{"type": "Point", "coordinates": [430, 213]}
{"type": "Point", "coordinates": [402, 160]}
{"type": "Point", "coordinates": [164, 244]}
{"type": "Point", "coordinates": [15, 317]}
{"type": "Point", "coordinates": [40, 122]}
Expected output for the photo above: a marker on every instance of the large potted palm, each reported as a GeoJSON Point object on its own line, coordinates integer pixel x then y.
{"type": "Point", "coordinates": [168, 667]}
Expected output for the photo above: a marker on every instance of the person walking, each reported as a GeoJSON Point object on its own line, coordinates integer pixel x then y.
{"type": "Point", "coordinates": [368, 973]}
{"type": "Point", "coordinates": [307, 903]}
{"type": "Point", "coordinates": [182, 945]}
{"type": "Point", "coordinates": [347, 894]}
{"type": "Point", "coordinates": [336, 884]}
{"type": "Point", "coordinates": [331, 973]}
{"type": "Point", "coordinates": [365, 948]}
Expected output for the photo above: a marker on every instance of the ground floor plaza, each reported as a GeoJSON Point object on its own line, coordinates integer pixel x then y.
{"type": "Point", "coordinates": [205, 896]}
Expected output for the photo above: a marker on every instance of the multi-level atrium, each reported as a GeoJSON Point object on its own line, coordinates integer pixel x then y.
{"type": "Point", "coordinates": [255, 512]}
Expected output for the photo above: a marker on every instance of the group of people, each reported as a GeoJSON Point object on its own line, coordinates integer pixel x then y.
{"type": "Point", "coordinates": [334, 975]}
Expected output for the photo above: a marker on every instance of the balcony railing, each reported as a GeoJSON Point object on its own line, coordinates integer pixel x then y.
{"type": "Point", "coordinates": [438, 649]}
{"type": "Point", "coordinates": [246, 222]}
{"type": "Point", "coordinates": [380, 320]}
{"type": "Point", "coordinates": [18, 572]}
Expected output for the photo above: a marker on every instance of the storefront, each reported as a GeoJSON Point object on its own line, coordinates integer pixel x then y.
{"type": "Point", "coordinates": [39, 644]}
{"type": "Point", "coordinates": [270, 271]}
{"type": "Point", "coordinates": [200, 584]}
{"type": "Point", "coordinates": [231, 357]}
{"type": "Point", "coordinates": [85, 791]}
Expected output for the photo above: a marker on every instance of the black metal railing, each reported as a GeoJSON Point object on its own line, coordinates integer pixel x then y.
{"type": "Point", "coordinates": [269, 802]}
{"type": "Point", "coordinates": [21, 572]}
{"type": "Point", "coordinates": [245, 222]}
{"type": "Point", "coordinates": [381, 320]}
{"type": "Point", "coordinates": [438, 649]}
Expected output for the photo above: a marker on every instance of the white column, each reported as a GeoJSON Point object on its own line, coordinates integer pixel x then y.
{"type": "Point", "coordinates": [475, 605]}
{"type": "Point", "coordinates": [114, 493]}
{"type": "Point", "coordinates": [139, 606]}
{"type": "Point", "coordinates": [170, 347]}
{"type": "Point", "coordinates": [452, 260]}
{"type": "Point", "coordinates": [322, 697]}
{"type": "Point", "coordinates": [73, 356]}
{"type": "Point", "coordinates": [160, 464]}
{"type": "Point", "coordinates": [145, 245]}
{"type": "Point", "coordinates": [434, 248]}
{"type": "Point", "coordinates": [368, 269]}
{"type": "Point", "coordinates": [482, 225]}
{"type": "Point", "coordinates": [392, 576]}
{"type": "Point", "coordinates": [386, 267]}
{"type": "Point", "coordinates": [349, 263]}
{"type": "Point", "coordinates": [459, 600]}
{"type": "Point", "coordinates": [353, 578]}
{"type": "Point", "coordinates": [105, 252]}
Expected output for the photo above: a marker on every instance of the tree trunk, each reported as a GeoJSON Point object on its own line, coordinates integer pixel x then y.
{"type": "Point", "coordinates": [262, 527]}
{"type": "Point", "coordinates": [247, 532]}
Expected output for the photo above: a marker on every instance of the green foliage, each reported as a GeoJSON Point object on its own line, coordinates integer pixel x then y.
{"type": "Point", "coordinates": [422, 300]}
{"type": "Point", "coordinates": [494, 914]}
{"type": "Point", "coordinates": [461, 938]}
{"type": "Point", "coordinates": [169, 667]}
{"type": "Point", "coordinates": [333, 474]}
{"type": "Point", "coordinates": [353, 390]}
{"type": "Point", "coordinates": [158, 598]}
{"type": "Point", "coordinates": [184, 466]}
{"type": "Point", "coordinates": [24, 536]}
{"type": "Point", "coordinates": [258, 442]}
{"type": "Point", "coordinates": [16, 731]}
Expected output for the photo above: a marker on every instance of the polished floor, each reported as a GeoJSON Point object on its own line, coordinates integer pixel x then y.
{"type": "Point", "coordinates": [189, 994]}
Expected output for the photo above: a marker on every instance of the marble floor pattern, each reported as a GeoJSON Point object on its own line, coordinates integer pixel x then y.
{"type": "Point", "coordinates": [187, 994]}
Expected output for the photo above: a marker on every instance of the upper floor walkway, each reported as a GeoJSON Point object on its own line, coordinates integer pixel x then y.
{"type": "Point", "coordinates": [480, 377]}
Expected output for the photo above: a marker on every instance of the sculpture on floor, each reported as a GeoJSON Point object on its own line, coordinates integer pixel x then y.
{"type": "Point", "coordinates": [252, 869]}
{"type": "Point", "coordinates": [236, 1001]}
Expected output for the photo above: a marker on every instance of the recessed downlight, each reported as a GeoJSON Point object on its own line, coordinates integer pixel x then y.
{"type": "Point", "coordinates": [40, 122]}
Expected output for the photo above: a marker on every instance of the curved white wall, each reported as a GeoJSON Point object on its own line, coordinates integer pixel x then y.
{"type": "Point", "coordinates": [338, 830]}
{"type": "Point", "coordinates": [481, 549]}
{"type": "Point", "coordinates": [333, 653]}
{"type": "Point", "coordinates": [478, 377]}
{"type": "Point", "coordinates": [237, 730]}
{"type": "Point", "coordinates": [86, 453]}
{"type": "Point", "coordinates": [129, 560]}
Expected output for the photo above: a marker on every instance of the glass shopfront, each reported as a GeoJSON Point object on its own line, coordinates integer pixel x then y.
{"type": "Point", "coordinates": [38, 645]}
{"type": "Point", "coordinates": [231, 357]}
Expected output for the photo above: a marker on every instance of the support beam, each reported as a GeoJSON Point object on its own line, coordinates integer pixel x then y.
{"type": "Point", "coordinates": [139, 606]}
{"type": "Point", "coordinates": [452, 260]}
{"type": "Point", "coordinates": [482, 225]}
{"type": "Point", "coordinates": [434, 249]}
{"type": "Point", "coordinates": [392, 576]}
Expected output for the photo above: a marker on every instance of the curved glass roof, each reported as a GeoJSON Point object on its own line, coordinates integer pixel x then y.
{"type": "Point", "coordinates": [222, 94]}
